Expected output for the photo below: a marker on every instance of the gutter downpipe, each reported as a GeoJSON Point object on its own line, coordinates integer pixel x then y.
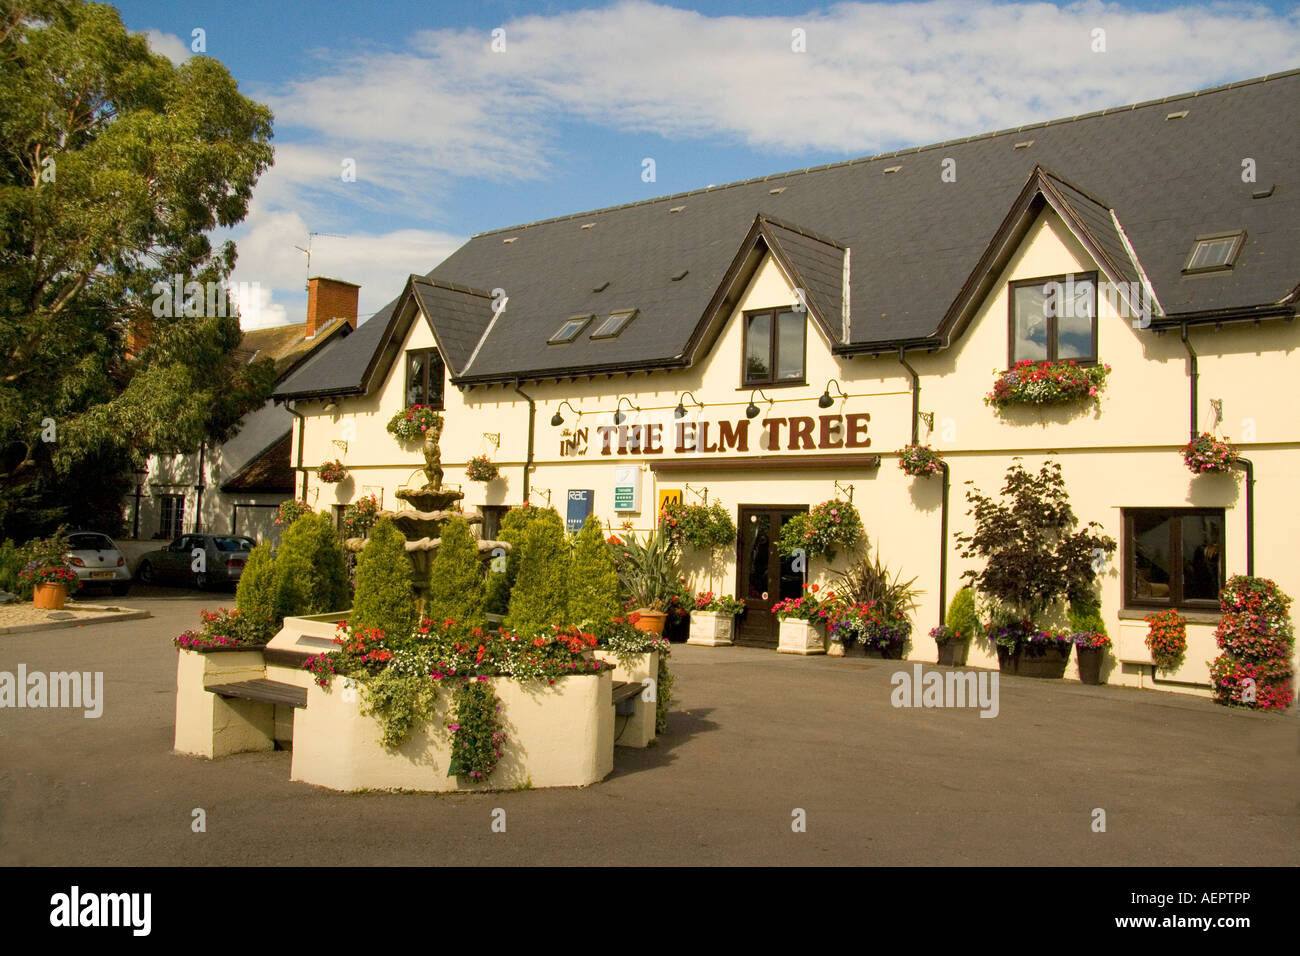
{"type": "Point", "coordinates": [943, 510]}
{"type": "Point", "coordinates": [302, 425]}
{"type": "Point", "coordinates": [1193, 374]}
{"type": "Point", "coordinates": [198, 499]}
{"type": "Point", "coordinates": [532, 422]}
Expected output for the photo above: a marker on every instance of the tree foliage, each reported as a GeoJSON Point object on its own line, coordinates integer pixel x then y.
{"type": "Point", "coordinates": [593, 580]}
{"type": "Point", "coordinates": [514, 524]}
{"type": "Point", "coordinates": [539, 598]}
{"type": "Point", "coordinates": [1033, 556]}
{"type": "Point", "coordinates": [456, 577]}
{"type": "Point", "coordinates": [114, 165]}
{"type": "Point", "coordinates": [384, 598]}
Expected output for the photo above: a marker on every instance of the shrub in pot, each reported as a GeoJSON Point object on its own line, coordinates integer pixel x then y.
{"type": "Point", "coordinates": [960, 625]}
{"type": "Point", "coordinates": [1088, 634]}
{"type": "Point", "coordinates": [649, 575]}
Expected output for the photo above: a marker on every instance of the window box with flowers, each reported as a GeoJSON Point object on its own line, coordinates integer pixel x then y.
{"type": "Point", "coordinates": [713, 620]}
{"type": "Point", "coordinates": [482, 469]}
{"type": "Point", "coordinates": [332, 472]}
{"type": "Point", "coordinates": [822, 530]}
{"type": "Point", "coordinates": [920, 461]}
{"type": "Point", "coordinates": [1205, 453]}
{"type": "Point", "coordinates": [803, 621]}
{"type": "Point", "coordinates": [1046, 384]}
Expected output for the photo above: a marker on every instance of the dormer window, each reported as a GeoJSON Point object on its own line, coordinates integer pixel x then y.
{"type": "Point", "coordinates": [1053, 319]}
{"type": "Point", "coordinates": [1214, 253]}
{"type": "Point", "coordinates": [570, 330]}
{"type": "Point", "coordinates": [425, 372]}
{"type": "Point", "coordinates": [774, 347]}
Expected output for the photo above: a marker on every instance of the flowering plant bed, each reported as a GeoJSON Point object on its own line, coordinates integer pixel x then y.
{"type": "Point", "coordinates": [482, 469]}
{"type": "Point", "coordinates": [332, 472]}
{"type": "Point", "coordinates": [810, 607]}
{"type": "Point", "coordinates": [1047, 383]}
{"type": "Point", "coordinates": [1167, 639]}
{"type": "Point", "coordinates": [920, 461]}
{"type": "Point", "coordinates": [410, 424]}
{"type": "Point", "coordinates": [1205, 453]}
{"type": "Point", "coordinates": [221, 628]}
{"type": "Point", "coordinates": [1258, 639]}
{"type": "Point", "coordinates": [290, 511]}
{"type": "Point", "coordinates": [721, 604]}
{"type": "Point", "coordinates": [360, 516]}
{"type": "Point", "coordinates": [830, 525]}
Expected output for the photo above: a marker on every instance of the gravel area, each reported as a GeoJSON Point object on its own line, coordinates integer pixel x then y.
{"type": "Point", "coordinates": [22, 616]}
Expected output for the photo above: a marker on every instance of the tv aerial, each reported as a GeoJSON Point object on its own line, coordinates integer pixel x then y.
{"type": "Point", "coordinates": [307, 251]}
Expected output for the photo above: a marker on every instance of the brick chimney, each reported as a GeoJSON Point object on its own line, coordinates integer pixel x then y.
{"type": "Point", "coordinates": [330, 299]}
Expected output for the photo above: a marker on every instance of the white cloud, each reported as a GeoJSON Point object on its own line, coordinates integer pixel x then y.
{"type": "Point", "coordinates": [167, 44]}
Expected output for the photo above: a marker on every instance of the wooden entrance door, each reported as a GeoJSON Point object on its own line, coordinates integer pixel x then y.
{"type": "Point", "coordinates": [764, 576]}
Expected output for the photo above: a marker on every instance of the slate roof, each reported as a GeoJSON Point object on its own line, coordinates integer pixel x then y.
{"type": "Point", "coordinates": [269, 472]}
{"type": "Point", "coordinates": [915, 240]}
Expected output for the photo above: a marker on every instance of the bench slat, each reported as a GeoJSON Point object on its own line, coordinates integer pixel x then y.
{"type": "Point", "coordinates": [267, 691]}
{"type": "Point", "coordinates": [625, 690]}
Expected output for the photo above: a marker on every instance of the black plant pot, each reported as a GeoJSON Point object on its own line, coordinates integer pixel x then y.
{"type": "Point", "coordinates": [953, 653]}
{"type": "Point", "coordinates": [1090, 660]}
{"type": "Point", "coordinates": [890, 652]}
{"type": "Point", "coordinates": [1008, 659]}
{"type": "Point", "coordinates": [1045, 661]}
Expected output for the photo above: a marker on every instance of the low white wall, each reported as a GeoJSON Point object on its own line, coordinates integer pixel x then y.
{"type": "Point", "coordinates": [210, 726]}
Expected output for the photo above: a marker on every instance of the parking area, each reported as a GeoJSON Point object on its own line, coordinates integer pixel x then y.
{"type": "Point", "coordinates": [757, 742]}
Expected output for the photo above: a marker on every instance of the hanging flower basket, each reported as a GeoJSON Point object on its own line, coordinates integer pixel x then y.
{"type": "Point", "coordinates": [1047, 383]}
{"type": "Point", "coordinates": [332, 472]}
{"type": "Point", "coordinates": [920, 461]}
{"type": "Point", "coordinates": [832, 524]}
{"type": "Point", "coordinates": [290, 511]}
{"type": "Point", "coordinates": [1205, 453]}
{"type": "Point", "coordinates": [482, 469]}
{"type": "Point", "coordinates": [1167, 639]}
{"type": "Point", "coordinates": [410, 424]}
{"type": "Point", "coordinates": [360, 516]}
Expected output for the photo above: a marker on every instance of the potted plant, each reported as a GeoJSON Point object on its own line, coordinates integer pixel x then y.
{"type": "Point", "coordinates": [1047, 383]}
{"type": "Point", "coordinates": [920, 461]}
{"type": "Point", "coordinates": [713, 619]}
{"type": "Point", "coordinates": [960, 625]}
{"type": "Point", "coordinates": [802, 621]}
{"type": "Point", "coordinates": [869, 583]}
{"type": "Point", "coordinates": [1044, 654]}
{"type": "Point", "coordinates": [290, 511]}
{"type": "Point", "coordinates": [47, 572]}
{"type": "Point", "coordinates": [1257, 638]}
{"type": "Point", "coordinates": [1167, 639]}
{"type": "Point", "coordinates": [1205, 453]}
{"type": "Point", "coordinates": [482, 469]}
{"type": "Point", "coordinates": [332, 472]}
{"type": "Point", "coordinates": [1088, 634]}
{"type": "Point", "coordinates": [649, 576]}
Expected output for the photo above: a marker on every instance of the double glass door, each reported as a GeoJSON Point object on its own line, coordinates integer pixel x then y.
{"type": "Point", "coordinates": [765, 576]}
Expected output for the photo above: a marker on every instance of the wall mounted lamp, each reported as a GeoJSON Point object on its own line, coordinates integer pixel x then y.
{"type": "Point", "coordinates": [557, 419]}
{"type": "Point", "coordinates": [680, 410]}
{"type": "Point", "coordinates": [751, 410]}
{"type": "Point", "coordinates": [826, 401]}
{"type": "Point", "coordinates": [619, 417]}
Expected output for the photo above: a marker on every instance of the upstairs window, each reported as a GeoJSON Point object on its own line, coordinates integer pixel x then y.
{"type": "Point", "coordinates": [774, 347]}
{"type": "Point", "coordinates": [1053, 319]}
{"type": "Point", "coordinates": [1215, 253]}
{"type": "Point", "coordinates": [570, 330]}
{"type": "Point", "coordinates": [424, 378]}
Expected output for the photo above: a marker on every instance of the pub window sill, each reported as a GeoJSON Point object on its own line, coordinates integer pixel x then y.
{"type": "Point", "coordinates": [1193, 616]}
{"type": "Point", "coordinates": [766, 385]}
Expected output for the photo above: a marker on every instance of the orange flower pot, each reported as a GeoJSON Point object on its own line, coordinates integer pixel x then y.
{"type": "Point", "coordinates": [651, 622]}
{"type": "Point", "coordinates": [50, 597]}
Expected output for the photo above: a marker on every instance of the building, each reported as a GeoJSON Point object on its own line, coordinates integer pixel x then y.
{"type": "Point", "coordinates": [237, 486]}
{"type": "Point", "coordinates": [810, 324]}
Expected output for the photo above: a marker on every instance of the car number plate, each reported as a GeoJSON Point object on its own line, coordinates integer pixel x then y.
{"type": "Point", "coordinates": [101, 574]}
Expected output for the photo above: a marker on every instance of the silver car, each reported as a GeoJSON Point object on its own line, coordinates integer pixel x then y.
{"type": "Point", "coordinates": [97, 562]}
{"type": "Point", "coordinates": [197, 560]}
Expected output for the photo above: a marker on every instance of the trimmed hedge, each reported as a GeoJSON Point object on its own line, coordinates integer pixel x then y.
{"type": "Point", "coordinates": [384, 598]}
{"type": "Point", "coordinates": [539, 598]}
{"type": "Point", "coordinates": [593, 580]}
{"type": "Point", "coordinates": [257, 597]}
{"type": "Point", "coordinates": [456, 577]}
{"type": "Point", "coordinates": [310, 568]}
{"type": "Point", "coordinates": [514, 525]}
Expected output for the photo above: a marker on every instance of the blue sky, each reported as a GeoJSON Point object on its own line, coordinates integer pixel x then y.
{"type": "Point", "coordinates": [450, 137]}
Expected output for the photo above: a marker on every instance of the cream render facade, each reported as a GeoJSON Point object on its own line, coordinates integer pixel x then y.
{"type": "Point", "coordinates": [1124, 455]}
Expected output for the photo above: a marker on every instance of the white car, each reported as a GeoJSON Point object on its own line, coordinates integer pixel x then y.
{"type": "Point", "coordinates": [97, 562]}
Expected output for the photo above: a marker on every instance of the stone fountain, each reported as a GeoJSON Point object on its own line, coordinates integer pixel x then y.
{"type": "Point", "coordinates": [429, 508]}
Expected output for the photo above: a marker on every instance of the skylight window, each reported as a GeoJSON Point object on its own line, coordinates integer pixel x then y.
{"type": "Point", "coordinates": [570, 330]}
{"type": "Point", "coordinates": [615, 324]}
{"type": "Point", "coordinates": [1215, 253]}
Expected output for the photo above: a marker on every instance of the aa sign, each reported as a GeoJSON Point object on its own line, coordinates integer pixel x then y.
{"type": "Point", "coordinates": [669, 496]}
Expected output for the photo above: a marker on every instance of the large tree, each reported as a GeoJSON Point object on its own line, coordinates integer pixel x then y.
{"type": "Point", "coordinates": [115, 164]}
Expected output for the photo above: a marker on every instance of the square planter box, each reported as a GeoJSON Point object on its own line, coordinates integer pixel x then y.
{"type": "Point", "coordinates": [557, 735]}
{"type": "Point", "coordinates": [711, 628]}
{"type": "Point", "coordinates": [800, 637]}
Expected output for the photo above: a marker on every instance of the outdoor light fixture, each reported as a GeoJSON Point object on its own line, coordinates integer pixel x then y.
{"type": "Point", "coordinates": [826, 401]}
{"type": "Point", "coordinates": [680, 410]}
{"type": "Point", "coordinates": [751, 410]}
{"type": "Point", "coordinates": [331, 408]}
{"type": "Point", "coordinates": [618, 414]}
{"type": "Point", "coordinates": [557, 419]}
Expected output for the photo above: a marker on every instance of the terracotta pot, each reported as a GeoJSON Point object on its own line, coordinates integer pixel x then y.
{"type": "Point", "coordinates": [50, 597]}
{"type": "Point", "coordinates": [651, 622]}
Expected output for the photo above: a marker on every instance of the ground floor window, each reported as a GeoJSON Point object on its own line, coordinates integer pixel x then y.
{"type": "Point", "coordinates": [171, 514]}
{"type": "Point", "coordinates": [1173, 557]}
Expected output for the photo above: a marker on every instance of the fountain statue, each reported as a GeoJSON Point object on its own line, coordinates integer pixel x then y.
{"type": "Point", "coordinates": [430, 507]}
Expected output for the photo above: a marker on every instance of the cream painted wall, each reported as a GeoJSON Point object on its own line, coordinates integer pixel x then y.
{"type": "Point", "coordinates": [1123, 455]}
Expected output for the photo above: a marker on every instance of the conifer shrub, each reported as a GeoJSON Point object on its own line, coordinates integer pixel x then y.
{"type": "Point", "coordinates": [314, 578]}
{"type": "Point", "coordinates": [513, 527]}
{"type": "Point", "coordinates": [384, 598]}
{"type": "Point", "coordinates": [456, 577]}
{"type": "Point", "coordinates": [257, 596]}
{"type": "Point", "coordinates": [593, 580]}
{"type": "Point", "coordinates": [539, 598]}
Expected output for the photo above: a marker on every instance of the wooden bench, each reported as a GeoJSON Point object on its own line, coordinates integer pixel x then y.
{"type": "Point", "coordinates": [266, 691]}
{"type": "Point", "coordinates": [625, 695]}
